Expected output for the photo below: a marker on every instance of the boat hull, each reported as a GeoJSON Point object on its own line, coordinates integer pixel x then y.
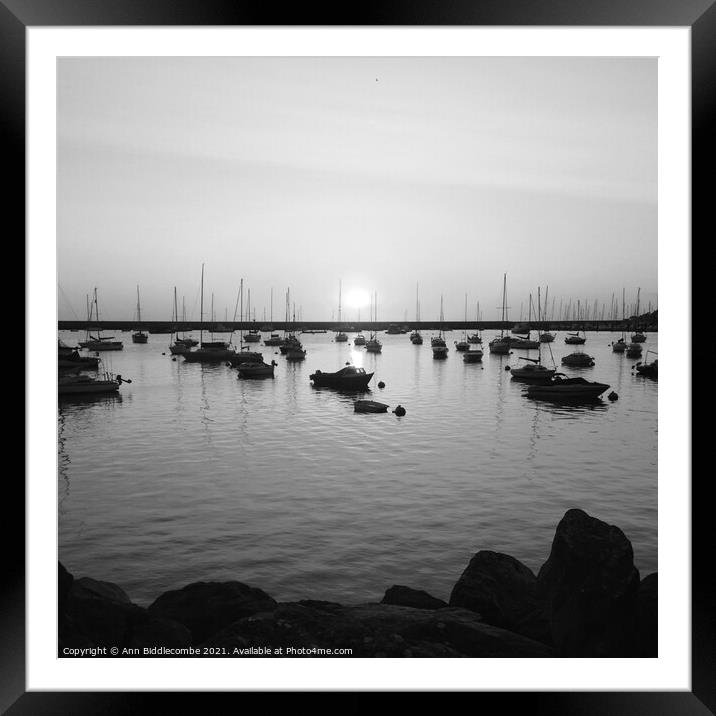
{"type": "Point", "coordinates": [369, 406]}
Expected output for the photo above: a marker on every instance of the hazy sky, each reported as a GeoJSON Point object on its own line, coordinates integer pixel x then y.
{"type": "Point", "coordinates": [381, 172]}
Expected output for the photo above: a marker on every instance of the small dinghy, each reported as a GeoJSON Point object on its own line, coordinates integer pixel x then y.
{"type": "Point", "coordinates": [369, 406]}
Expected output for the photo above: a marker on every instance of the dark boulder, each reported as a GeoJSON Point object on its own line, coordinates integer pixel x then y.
{"type": "Point", "coordinates": [589, 586]}
{"type": "Point", "coordinates": [648, 616]}
{"type": "Point", "coordinates": [377, 630]}
{"type": "Point", "coordinates": [206, 607]}
{"type": "Point", "coordinates": [96, 613]}
{"type": "Point", "coordinates": [407, 597]}
{"type": "Point", "coordinates": [503, 591]}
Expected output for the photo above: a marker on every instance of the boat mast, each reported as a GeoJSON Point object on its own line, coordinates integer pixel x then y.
{"type": "Point", "coordinates": [139, 310]}
{"type": "Point", "coordinates": [176, 312]}
{"type": "Point", "coordinates": [504, 290]}
{"type": "Point", "coordinates": [241, 315]}
{"type": "Point", "coordinates": [201, 310]}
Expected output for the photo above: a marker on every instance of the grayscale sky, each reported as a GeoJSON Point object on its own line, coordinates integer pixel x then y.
{"type": "Point", "coordinates": [380, 172]}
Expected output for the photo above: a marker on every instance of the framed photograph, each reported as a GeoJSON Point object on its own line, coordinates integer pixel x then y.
{"type": "Point", "coordinates": [357, 384]}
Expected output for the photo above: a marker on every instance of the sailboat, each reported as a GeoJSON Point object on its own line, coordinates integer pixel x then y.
{"type": "Point", "coordinates": [415, 338]}
{"type": "Point", "coordinates": [254, 335]}
{"type": "Point", "coordinates": [212, 351]}
{"type": "Point", "coordinates": [139, 336]}
{"type": "Point", "coordinates": [464, 344]}
{"type": "Point", "coordinates": [476, 338]}
{"type": "Point", "coordinates": [373, 345]}
{"type": "Point", "coordinates": [474, 355]}
{"type": "Point", "coordinates": [526, 342]}
{"type": "Point", "coordinates": [274, 339]}
{"type": "Point", "coordinates": [533, 370]}
{"type": "Point", "coordinates": [545, 336]}
{"type": "Point", "coordinates": [295, 350]}
{"type": "Point", "coordinates": [621, 345]}
{"type": "Point", "coordinates": [500, 345]}
{"type": "Point", "coordinates": [638, 337]}
{"type": "Point", "coordinates": [359, 340]}
{"type": "Point", "coordinates": [340, 337]}
{"type": "Point", "coordinates": [98, 342]}
{"type": "Point", "coordinates": [440, 350]}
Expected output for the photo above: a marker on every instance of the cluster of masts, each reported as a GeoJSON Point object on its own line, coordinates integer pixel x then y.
{"type": "Point", "coordinates": [567, 310]}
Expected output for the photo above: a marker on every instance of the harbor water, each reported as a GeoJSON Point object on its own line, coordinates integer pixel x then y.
{"type": "Point", "coordinates": [192, 474]}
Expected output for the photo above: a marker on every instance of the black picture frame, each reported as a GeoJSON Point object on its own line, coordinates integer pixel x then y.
{"type": "Point", "coordinates": [699, 15]}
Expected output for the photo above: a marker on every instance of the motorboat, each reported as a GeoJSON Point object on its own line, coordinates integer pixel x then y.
{"type": "Point", "coordinates": [472, 355]}
{"type": "Point", "coordinates": [213, 352]}
{"type": "Point", "coordinates": [500, 346]}
{"type": "Point", "coordinates": [369, 406]}
{"type": "Point", "coordinates": [560, 387]}
{"type": "Point", "coordinates": [349, 377]}
{"type": "Point", "coordinates": [102, 343]}
{"type": "Point", "coordinates": [574, 339]}
{"type": "Point", "coordinates": [295, 353]}
{"type": "Point", "coordinates": [273, 340]}
{"type": "Point", "coordinates": [290, 341]}
{"type": "Point", "coordinates": [524, 343]}
{"type": "Point", "coordinates": [341, 337]}
{"type": "Point", "coordinates": [619, 346]}
{"type": "Point", "coordinates": [243, 356]}
{"type": "Point", "coordinates": [649, 370]}
{"type": "Point", "coordinates": [440, 352]}
{"type": "Point", "coordinates": [579, 360]}
{"type": "Point", "coordinates": [68, 357]}
{"type": "Point", "coordinates": [359, 340]}
{"type": "Point", "coordinates": [546, 337]}
{"type": "Point", "coordinates": [84, 384]}
{"type": "Point", "coordinates": [256, 370]}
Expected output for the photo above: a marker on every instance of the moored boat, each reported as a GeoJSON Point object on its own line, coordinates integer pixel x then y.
{"type": "Point", "coordinates": [579, 360]}
{"type": "Point", "coordinates": [369, 406]}
{"type": "Point", "coordinates": [472, 355]}
{"type": "Point", "coordinates": [349, 377]}
{"type": "Point", "coordinates": [567, 389]}
{"type": "Point", "coordinates": [256, 370]}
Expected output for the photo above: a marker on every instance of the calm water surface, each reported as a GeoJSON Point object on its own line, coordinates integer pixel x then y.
{"type": "Point", "coordinates": [192, 474]}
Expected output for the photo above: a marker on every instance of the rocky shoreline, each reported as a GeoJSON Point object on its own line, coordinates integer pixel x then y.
{"type": "Point", "coordinates": [587, 600]}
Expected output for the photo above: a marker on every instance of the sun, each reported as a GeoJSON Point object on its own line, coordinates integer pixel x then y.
{"type": "Point", "coordinates": [357, 298]}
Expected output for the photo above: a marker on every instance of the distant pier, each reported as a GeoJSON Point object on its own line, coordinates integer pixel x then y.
{"type": "Point", "coordinates": [227, 326]}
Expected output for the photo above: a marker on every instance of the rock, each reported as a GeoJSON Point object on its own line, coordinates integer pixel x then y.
{"type": "Point", "coordinates": [64, 584]}
{"type": "Point", "coordinates": [378, 630]}
{"type": "Point", "coordinates": [589, 585]}
{"type": "Point", "coordinates": [647, 602]}
{"type": "Point", "coordinates": [407, 597]}
{"type": "Point", "coordinates": [206, 607]}
{"type": "Point", "coordinates": [93, 588]}
{"type": "Point", "coordinates": [147, 630]}
{"type": "Point", "coordinates": [93, 618]}
{"type": "Point", "coordinates": [503, 591]}
{"type": "Point", "coordinates": [95, 613]}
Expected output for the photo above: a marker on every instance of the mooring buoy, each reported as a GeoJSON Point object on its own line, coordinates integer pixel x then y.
{"type": "Point", "coordinates": [399, 411]}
